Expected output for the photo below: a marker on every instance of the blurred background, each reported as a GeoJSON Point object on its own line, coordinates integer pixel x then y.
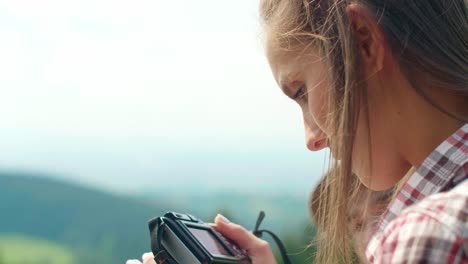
{"type": "Point", "coordinates": [113, 112]}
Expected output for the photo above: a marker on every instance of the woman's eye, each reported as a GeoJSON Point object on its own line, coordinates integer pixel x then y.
{"type": "Point", "coordinates": [300, 94]}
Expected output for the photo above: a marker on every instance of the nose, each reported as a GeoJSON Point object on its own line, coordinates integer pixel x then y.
{"type": "Point", "coordinates": [315, 138]}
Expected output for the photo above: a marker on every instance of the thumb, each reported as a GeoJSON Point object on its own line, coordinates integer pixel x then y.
{"type": "Point", "coordinates": [254, 246]}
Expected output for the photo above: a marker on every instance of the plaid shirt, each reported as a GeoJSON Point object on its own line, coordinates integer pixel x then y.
{"type": "Point", "coordinates": [428, 220]}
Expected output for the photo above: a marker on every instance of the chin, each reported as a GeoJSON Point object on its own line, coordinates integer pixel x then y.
{"type": "Point", "coordinates": [373, 183]}
{"type": "Point", "coordinates": [378, 187]}
{"type": "Point", "coordinates": [384, 175]}
{"type": "Point", "coordinates": [382, 182]}
{"type": "Point", "coordinates": [366, 181]}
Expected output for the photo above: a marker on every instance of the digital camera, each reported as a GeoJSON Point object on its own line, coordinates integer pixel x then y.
{"type": "Point", "coordinates": [184, 239]}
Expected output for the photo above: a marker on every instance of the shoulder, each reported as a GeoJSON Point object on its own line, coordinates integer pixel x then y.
{"type": "Point", "coordinates": [449, 208]}
{"type": "Point", "coordinates": [435, 230]}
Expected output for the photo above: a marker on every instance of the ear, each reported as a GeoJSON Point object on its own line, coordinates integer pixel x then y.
{"type": "Point", "coordinates": [370, 37]}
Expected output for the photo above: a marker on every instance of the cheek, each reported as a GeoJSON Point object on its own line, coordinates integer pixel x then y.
{"type": "Point", "coordinates": [317, 104]}
{"type": "Point", "coordinates": [317, 83]}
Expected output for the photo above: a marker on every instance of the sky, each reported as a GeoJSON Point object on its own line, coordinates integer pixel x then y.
{"type": "Point", "coordinates": [144, 94]}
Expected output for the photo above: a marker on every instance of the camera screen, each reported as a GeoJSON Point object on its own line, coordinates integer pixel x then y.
{"type": "Point", "coordinates": [209, 241]}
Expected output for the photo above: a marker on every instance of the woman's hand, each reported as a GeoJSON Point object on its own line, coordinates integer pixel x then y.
{"type": "Point", "coordinates": [258, 250]}
{"type": "Point", "coordinates": [147, 258]}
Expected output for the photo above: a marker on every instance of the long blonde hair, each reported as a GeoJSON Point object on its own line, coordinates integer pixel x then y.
{"type": "Point", "coordinates": [363, 215]}
{"type": "Point", "coordinates": [428, 38]}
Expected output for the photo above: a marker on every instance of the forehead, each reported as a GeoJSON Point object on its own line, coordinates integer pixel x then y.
{"type": "Point", "coordinates": [287, 64]}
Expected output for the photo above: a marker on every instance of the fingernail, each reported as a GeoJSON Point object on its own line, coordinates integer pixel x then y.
{"type": "Point", "coordinates": [148, 255]}
{"type": "Point", "coordinates": [223, 219]}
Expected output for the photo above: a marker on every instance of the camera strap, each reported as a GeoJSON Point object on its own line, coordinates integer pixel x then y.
{"type": "Point", "coordinates": [259, 232]}
{"type": "Point", "coordinates": [161, 256]}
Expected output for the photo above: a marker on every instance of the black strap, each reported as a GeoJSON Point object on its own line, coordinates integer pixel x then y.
{"type": "Point", "coordinates": [157, 228]}
{"type": "Point", "coordinates": [258, 233]}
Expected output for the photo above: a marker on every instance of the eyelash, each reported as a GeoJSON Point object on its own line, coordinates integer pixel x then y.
{"type": "Point", "coordinates": [300, 94]}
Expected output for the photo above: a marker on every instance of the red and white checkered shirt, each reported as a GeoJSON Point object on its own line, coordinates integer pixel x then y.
{"type": "Point", "coordinates": [428, 220]}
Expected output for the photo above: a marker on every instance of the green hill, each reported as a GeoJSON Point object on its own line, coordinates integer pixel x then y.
{"type": "Point", "coordinates": [18, 249]}
{"type": "Point", "coordinates": [77, 224]}
{"type": "Point", "coordinates": [99, 227]}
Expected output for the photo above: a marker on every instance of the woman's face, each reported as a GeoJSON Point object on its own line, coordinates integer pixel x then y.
{"type": "Point", "coordinates": [305, 81]}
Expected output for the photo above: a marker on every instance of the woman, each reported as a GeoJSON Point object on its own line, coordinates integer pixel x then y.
{"type": "Point", "coordinates": [386, 81]}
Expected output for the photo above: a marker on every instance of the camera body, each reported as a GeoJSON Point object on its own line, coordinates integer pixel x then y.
{"type": "Point", "coordinates": [183, 238]}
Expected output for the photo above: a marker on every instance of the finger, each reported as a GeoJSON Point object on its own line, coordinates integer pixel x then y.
{"type": "Point", "coordinates": [242, 237]}
{"type": "Point", "coordinates": [133, 261]}
{"type": "Point", "coordinates": [148, 258]}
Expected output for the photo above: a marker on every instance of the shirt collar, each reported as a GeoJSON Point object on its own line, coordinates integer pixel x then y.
{"type": "Point", "coordinates": [436, 172]}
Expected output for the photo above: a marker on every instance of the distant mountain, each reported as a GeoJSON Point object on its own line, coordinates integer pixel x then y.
{"type": "Point", "coordinates": [105, 228]}
{"type": "Point", "coordinates": [99, 227]}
